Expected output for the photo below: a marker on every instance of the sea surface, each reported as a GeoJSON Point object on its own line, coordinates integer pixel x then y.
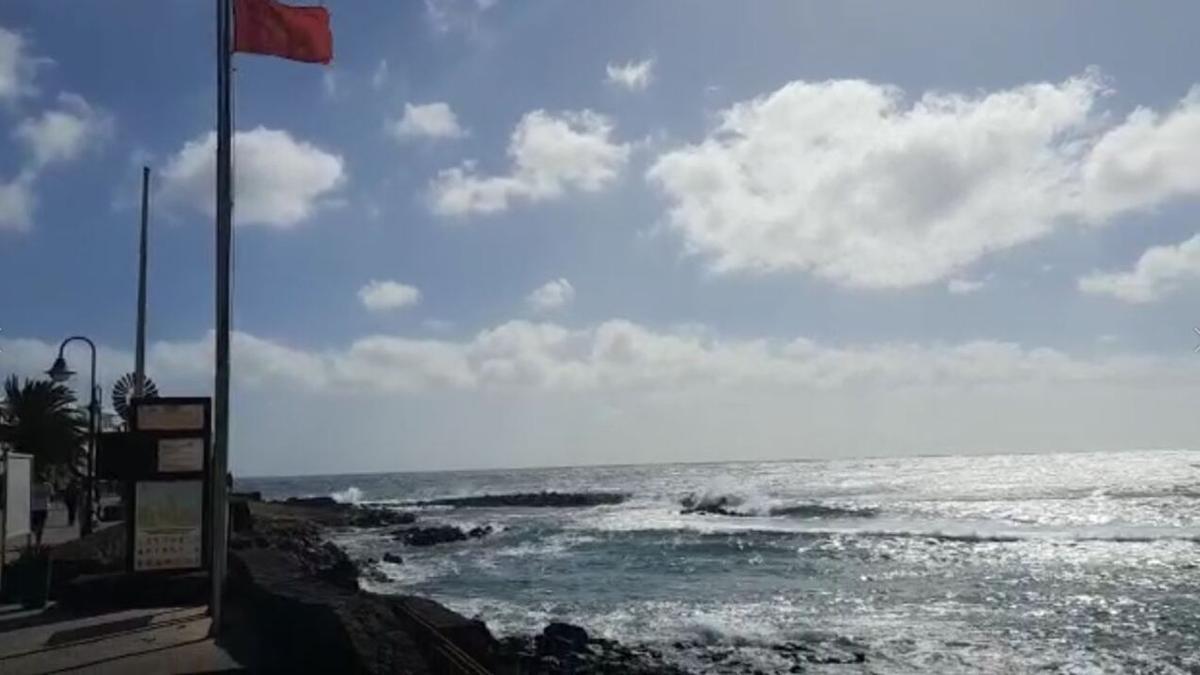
{"type": "Point", "coordinates": [1082, 562]}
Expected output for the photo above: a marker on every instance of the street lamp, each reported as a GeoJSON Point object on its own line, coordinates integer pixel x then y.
{"type": "Point", "coordinates": [59, 372]}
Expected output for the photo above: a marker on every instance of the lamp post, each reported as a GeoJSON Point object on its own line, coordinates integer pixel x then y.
{"type": "Point", "coordinates": [59, 372]}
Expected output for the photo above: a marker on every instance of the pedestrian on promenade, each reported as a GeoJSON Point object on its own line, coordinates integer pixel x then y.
{"type": "Point", "coordinates": [70, 497]}
{"type": "Point", "coordinates": [39, 508]}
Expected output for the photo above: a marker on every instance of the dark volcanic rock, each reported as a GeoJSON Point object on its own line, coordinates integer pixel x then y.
{"type": "Point", "coordinates": [563, 638]}
{"type": "Point", "coordinates": [367, 516]}
{"type": "Point", "coordinates": [560, 651]}
{"type": "Point", "coordinates": [330, 512]}
{"type": "Point", "coordinates": [240, 519]}
{"type": "Point", "coordinates": [313, 501]}
{"type": "Point", "coordinates": [331, 564]}
{"type": "Point", "coordinates": [720, 506]}
{"type": "Point", "coordinates": [726, 505]}
{"type": "Point", "coordinates": [290, 584]}
{"type": "Point", "coordinates": [531, 499]}
{"type": "Point", "coordinates": [438, 534]}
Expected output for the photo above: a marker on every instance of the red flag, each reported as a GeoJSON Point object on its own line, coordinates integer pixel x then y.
{"type": "Point", "coordinates": [276, 29]}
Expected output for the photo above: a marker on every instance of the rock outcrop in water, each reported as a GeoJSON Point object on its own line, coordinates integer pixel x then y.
{"type": "Point", "coordinates": [328, 511]}
{"type": "Point", "coordinates": [719, 506]}
{"type": "Point", "coordinates": [565, 648]}
{"type": "Point", "coordinates": [530, 499]}
{"type": "Point", "coordinates": [726, 505]}
{"type": "Point", "coordinates": [439, 534]}
{"type": "Point", "coordinates": [361, 516]}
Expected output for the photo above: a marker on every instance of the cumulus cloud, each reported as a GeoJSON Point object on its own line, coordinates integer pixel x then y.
{"type": "Point", "coordinates": [622, 355]}
{"type": "Point", "coordinates": [16, 203]}
{"type": "Point", "coordinates": [552, 295]}
{"type": "Point", "coordinates": [550, 153]}
{"type": "Point", "coordinates": [428, 120]}
{"type": "Point", "coordinates": [380, 77]}
{"type": "Point", "coordinates": [846, 180]}
{"type": "Point", "coordinates": [62, 134]}
{"type": "Point", "coordinates": [964, 286]}
{"type": "Point", "coordinates": [384, 296]}
{"type": "Point", "coordinates": [279, 180]}
{"type": "Point", "coordinates": [1144, 161]}
{"type": "Point", "coordinates": [58, 135]}
{"type": "Point", "coordinates": [621, 391]}
{"type": "Point", "coordinates": [16, 66]}
{"type": "Point", "coordinates": [634, 75]}
{"type": "Point", "coordinates": [456, 15]}
{"type": "Point", "coordinates": [329, 83]}
{"type": "Point", "coordinates": [1158, 272]}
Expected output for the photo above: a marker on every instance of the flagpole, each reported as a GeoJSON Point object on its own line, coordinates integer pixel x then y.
{"type": "Point", "coordinates": [220, 426]}
{"type": "Point", "coordinates": [139, 362]}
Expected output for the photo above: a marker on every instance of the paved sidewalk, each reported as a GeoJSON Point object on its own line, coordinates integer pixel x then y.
{"type": "Point", "coordinates": [57, 531]}
{"type": "Point", "coordinates": [141, 641]}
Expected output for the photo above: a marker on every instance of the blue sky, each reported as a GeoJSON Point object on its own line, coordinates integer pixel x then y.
{"type": "Point", "coordinates": [785, 230]}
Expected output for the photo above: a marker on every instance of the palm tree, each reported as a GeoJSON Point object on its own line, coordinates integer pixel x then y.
{"type": "Point", "coordinates": [40, 418]}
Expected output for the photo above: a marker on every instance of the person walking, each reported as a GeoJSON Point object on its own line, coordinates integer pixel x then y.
{"type": "Point", "coordinates": [70, 498]}
{"type": "Point", "coordinates": [39, 508]}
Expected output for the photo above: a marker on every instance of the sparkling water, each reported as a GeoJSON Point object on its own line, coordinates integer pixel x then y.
{"type": "Point", "coordinates": [1008, 563]}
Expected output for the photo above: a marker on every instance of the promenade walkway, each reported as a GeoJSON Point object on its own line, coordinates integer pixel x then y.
{"type": "Point", "coordinates": [142, 641]}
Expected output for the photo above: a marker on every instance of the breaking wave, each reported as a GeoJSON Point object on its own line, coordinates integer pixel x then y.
{"type": "Point", "coordinates": [742, 505]}
{"type": "Point", "coordinates": [350, 495]}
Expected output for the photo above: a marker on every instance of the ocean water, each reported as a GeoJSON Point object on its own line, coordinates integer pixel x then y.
{"type": "Point", "coordinates": [1009, 563]}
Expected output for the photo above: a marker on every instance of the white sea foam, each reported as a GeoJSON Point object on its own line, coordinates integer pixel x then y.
{"type": "Point", "coordinates": [350, 495]}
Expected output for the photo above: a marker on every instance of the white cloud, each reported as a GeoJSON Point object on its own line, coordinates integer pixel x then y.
{"type": "Point", "coordinates": [329, 83]}
{"type": "Point", "coordinates": [16, 203]}
{"type": "Point", "coordinates": [62, 134]}
{"type": "Point", "coordinates": [1146, 160]}
{"type": "Point", "coordinates": [429, 120]}
{"type": "Point", "coordinates": [16, 66]}
{"type": "Point", "coordinates": [463, 15]}
{"type": "Point", "coordinates": [622, 355]}
{"type": "Point", "coordinates": [845, 180]}
{"type": "Point", "coordinates": [383, 296]}
{"type": "Point", "coordinates": [552, 295]}
{"type": "Point", "coordinates": [550, 155]}
{"type": "Point", "coordinates": [380, 77]}
{"type": "Point", "coordinates": [683, 393]}
{"type": "Point", "coordinates": [634, 75]}
{"type": "Point", "coordinates": [964, 286]}
{"type": "Point", "coordinates": [1158, 272]}
{"type": "Point", "coordinates": [57, 135]}
{"type": "Point", "coordinates": [279, 180]}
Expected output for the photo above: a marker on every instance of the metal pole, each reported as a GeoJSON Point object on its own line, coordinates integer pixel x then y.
{"type": "Point", "coordinates": [4, 522]}
{"type": "Point", "coordinates": [85, 527]}
{"type": "Point", "coordinates": [224, 244]}
{"type": "Point", "coordinates": [139, 367]}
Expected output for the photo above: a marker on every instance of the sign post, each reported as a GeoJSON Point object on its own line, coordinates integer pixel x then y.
{"type": "Point", "coordinates": [164, 463]}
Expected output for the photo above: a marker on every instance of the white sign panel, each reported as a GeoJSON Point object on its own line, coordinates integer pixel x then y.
{"type": "Point", "coordinates": [17, 486]}
{"type": "Point", "coordinates": [170, 417]}
{"type": "Point", "coordinates": [180, 454]}
{"type": "Point", "coordinates": [167, 525]}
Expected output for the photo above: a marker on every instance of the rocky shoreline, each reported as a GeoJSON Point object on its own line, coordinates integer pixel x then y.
{"type": "Point", "coordinates": [289, 541]}
{"type": "Point", "coordinates": [293, 581]}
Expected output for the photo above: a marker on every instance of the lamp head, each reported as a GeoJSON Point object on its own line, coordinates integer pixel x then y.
{"type": "Point", "coordinates": [59, 372]}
